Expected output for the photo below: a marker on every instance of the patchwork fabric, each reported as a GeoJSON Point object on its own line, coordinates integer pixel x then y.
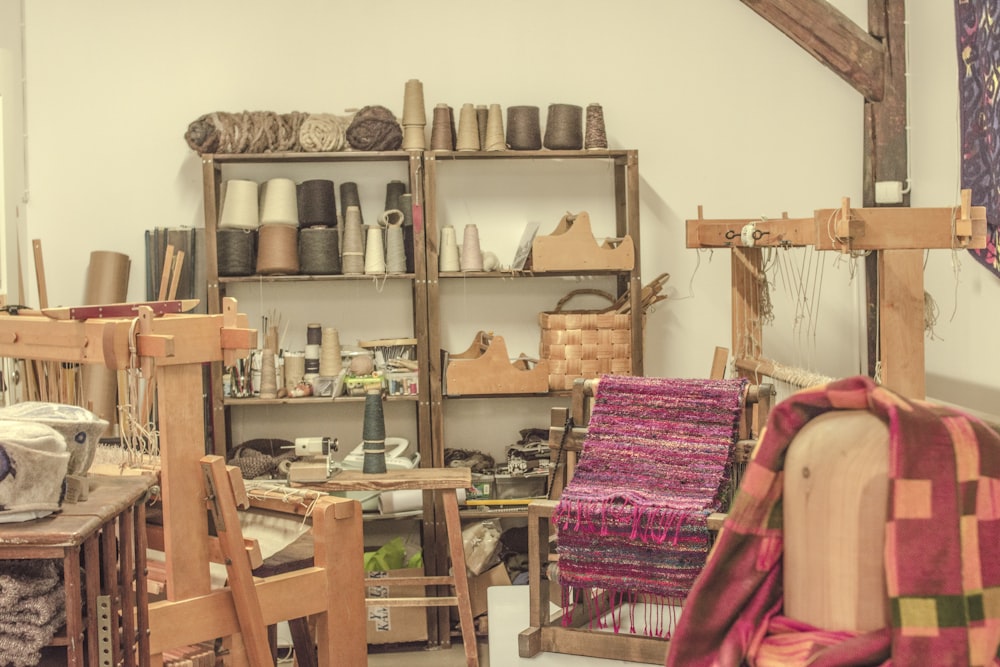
{"type": "Point", "coordinates": [655, 464]}
{"type": "Point", "coordinates": [942, 556]}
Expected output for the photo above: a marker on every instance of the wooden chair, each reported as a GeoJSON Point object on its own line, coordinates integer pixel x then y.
{"type": "Point", "coordinates": [568, 429]}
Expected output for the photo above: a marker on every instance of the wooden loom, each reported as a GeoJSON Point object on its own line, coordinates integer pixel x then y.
{"type": "Point", "coordinates": [890, 233]}
{"type": "Point", "coordinates": [547, 634]}
{"type": "Point", "coordinates": [172, 349]}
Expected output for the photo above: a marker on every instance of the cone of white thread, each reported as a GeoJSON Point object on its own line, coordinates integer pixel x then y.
{"type": "Point", "coordinates": [472, 253]}
{"type": "Point", "coordinates": [374, 252]}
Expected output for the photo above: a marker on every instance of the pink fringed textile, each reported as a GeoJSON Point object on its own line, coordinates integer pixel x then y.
{"type": "Point", "coordinates": [655, 463]}
{"type": "Point", "coordinates": [942, 560]}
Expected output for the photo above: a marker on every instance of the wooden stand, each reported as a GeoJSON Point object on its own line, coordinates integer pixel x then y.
{"type": "Point", "coordinates": [545, 634]}
{"type": "Point", "coordinates": [444, 481]}
{"type": "Point", "coordinates": [572, 247]}
{"type": "Point", "coordinates": [172, 350]}
{"type": "Point", "coordinates": [893, 233]}
{"type": "Point", "coordinates": [486, 368]}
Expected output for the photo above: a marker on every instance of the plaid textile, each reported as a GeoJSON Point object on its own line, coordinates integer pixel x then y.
{"type": "Point", "coordinates": [942, 554]}
{"type": "Point", "coordinates": [654, 466]}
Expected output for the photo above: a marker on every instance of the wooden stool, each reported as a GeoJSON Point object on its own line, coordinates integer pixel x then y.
{"type": "Point", "coordinates": [445, 481]}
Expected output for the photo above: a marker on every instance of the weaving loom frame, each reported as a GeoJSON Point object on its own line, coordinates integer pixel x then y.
{"type": "Point", "coordinates": [548, 634]}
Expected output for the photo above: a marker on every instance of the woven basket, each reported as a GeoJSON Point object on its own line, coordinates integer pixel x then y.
{"type": "Point", "coordinates": [585, 343]}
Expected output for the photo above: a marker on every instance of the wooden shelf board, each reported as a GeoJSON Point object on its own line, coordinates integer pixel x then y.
{"type": "Point", "coordinates": [302, 278]}
{"type": "Point", "coordinates": [304, 156]}
{"type": "Point", "coordinates": [593, 154]}
{"type": "Point", "coordinates": [530, 274]}
{"type": "Point", "coordinates": [308, 400]}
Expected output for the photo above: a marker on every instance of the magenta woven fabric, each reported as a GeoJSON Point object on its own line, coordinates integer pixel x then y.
{"type": "Point", "coordinates": [655, 464]}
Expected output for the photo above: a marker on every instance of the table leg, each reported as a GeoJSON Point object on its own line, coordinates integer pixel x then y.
{"type": "Point", "coordinates": [457, 550]}
{"type": "Point", "coordinates": [74, 608]}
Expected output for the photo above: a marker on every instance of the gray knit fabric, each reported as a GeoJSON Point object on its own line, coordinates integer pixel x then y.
{"type": "Point", "coordinates": [32, 609]}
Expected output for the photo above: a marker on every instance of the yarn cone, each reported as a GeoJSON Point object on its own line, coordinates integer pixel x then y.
{"type": "Point", "coordinates": [373, 434]}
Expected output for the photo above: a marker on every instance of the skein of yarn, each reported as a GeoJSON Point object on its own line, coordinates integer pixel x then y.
{"type": "Point", "coordinates": [245, 132]}
{"type": "Point", "coordinates": [375, 128]}
{"type": "Point", "coordinates": [324, 132]}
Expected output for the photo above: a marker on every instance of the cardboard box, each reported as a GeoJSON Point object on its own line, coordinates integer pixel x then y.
{"type": "Point", "coordinates": [495, 576]}
{"type": "Point", "coordinates": [396, 625]}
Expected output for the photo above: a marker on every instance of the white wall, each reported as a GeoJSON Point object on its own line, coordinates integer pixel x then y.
{"type": "Point", "coordinates": [724, 110]}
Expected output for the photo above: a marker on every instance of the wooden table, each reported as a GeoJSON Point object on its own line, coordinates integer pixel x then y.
{"type": "Point", "coordinates": [102, 544]}
{"type": "Point", "coordinates": [445, 481]}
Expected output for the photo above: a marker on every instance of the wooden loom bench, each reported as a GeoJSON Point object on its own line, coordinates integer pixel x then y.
{"type": "Point", "coordinates": [544, 634]}
{"type": "Point", "coordinates": [107, 530]}
{"type": "Point", "coordinates": [445, 482]}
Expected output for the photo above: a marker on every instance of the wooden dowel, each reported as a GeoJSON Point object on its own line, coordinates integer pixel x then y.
{"type": "Point", "coordinates": [165, 273]}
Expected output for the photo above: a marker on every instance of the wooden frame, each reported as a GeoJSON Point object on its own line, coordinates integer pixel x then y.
{"type": "Point", "coordinates": [172, 349]}
{"type": "Point", "coordinates": [548, 635]}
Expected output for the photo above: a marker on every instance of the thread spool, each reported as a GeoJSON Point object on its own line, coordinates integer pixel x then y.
{"type": "Point", "coordinates": [277, 250]}
{"type": "Point", "coordinates": [279, 202]}
{"type": "Point", "coordinates": [448, 259]}
{"type": "Point", "coordinates": [442, 131]}
{"type": "Point", "coordinates": [349, 197]}
{"type": "Point", "coordinates": [240, 206]}
{"type": "Point", "coordinates": [319, 251]}
{"type": "Point", "coordinates": [317, 203]}
{"type": "Point", "coordinates": [493, 137]}
{"type": "Point", "coordinates": [414, 138]}
{"type": "Point", "coordinates": [564, 127]}
{"type": "Point", "coordinates": [595, 135]}
{"type": "Point", "coordinates": [482, 115]}
{"type": "Point", "coordinates": [373, 434]}
{"type": "Point", "coordinates": [523, 130]}
{"type": "Point", "coordinates": [311, 365]}
{"type": "Point", "coordinates": [472, 254]}
{"type": "Point", "coordinates": [295, 369]}
{"type": "Point", "coordinates": [353, 255]}
{"type": "Point", "coordinates": [236, 250]}
{"type": "Point", "coordinates": [468, 129]}
{"type": "Point", "coordinates": [314, 334]}
{"type": "Point", "coordinates": [374, 252]}
{"type": "Point", "coordinates": [406, 206]}
{"type": "Point", "coordinates": [393, 191]}
{"type": "Point", "coordinates": [395, 253]}
{"type": "Point", "coordinates": [331, 361]}
{"type": "Point", "coordinates": [413, 104]}
{"type": "Point", "coordinates": [268, 375]}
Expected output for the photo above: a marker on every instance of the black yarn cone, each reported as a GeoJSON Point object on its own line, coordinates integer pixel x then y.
{"type": "Point", "coordinates": [373, 434]}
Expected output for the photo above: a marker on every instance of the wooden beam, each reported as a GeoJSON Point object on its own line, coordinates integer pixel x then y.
{"type": "Point", "coordinates": [885, 155]}
{"type": "Point", "coordinates": [832, 38]}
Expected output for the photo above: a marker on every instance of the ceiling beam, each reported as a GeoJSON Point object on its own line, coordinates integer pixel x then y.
{"type": "Point", "coordinates": [832, 38]}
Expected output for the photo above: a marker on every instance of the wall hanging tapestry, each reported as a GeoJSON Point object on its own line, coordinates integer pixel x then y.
{"type": "Point", "coordinates": [977, 26]}
{"type": "Point", "coordinates": [941, 562]}
{"type": "Point", "coordinates": [655, 463]}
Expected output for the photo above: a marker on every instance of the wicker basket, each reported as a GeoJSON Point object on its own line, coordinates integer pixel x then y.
{"type": "Point", "coordinates": [585, 343]}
